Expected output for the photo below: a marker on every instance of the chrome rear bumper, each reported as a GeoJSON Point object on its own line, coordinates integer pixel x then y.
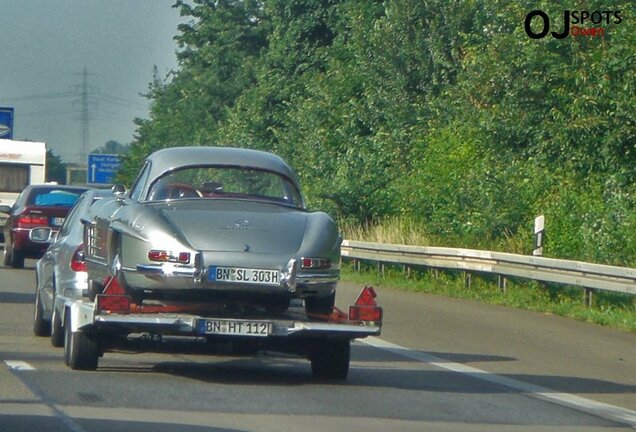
{"type": "Point", "coordinates": [290, 277]}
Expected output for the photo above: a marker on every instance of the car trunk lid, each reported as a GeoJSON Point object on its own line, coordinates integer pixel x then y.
{"type": "Point", "coordinates": [234, 226]}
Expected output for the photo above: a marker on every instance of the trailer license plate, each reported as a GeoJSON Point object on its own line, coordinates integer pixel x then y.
{"type": "Point", "coordinates": [243, 275]}
{"type": "Point", "coordinates": [236, 327]}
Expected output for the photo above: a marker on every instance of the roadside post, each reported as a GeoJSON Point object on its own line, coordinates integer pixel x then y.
{"type": "Point", "coordinates": [539, 235]}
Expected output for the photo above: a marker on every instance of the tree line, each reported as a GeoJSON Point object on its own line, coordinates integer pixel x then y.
{"type": "Point", "coordinates": [444, 113]}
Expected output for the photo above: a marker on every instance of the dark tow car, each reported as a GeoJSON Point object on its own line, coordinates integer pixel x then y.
{"type": "Point", "coordinates": [37, 207]}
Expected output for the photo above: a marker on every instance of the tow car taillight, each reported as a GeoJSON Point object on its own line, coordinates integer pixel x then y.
{"type": "Point", "coordinates": [167, 256]}
{"type": "Point", "coordinates": [28, 221]}
{"type": "Point", "coordinates": [77, 262]}
{"type": "Point", "coordinates": [366, 308]}
{"type": "Point", "coordinates": [315, 263]}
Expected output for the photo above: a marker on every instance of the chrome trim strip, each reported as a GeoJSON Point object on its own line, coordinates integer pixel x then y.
{"type": "Point", "coordinates": [166, 270]}
{"type": "Point", "coordinates": [318, 278]}
{"type": "Point", "coordinates": [49, 232]}
{"type": "Point", "coordinates": [20, 229]}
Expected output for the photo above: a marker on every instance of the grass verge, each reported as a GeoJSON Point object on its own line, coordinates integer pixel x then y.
{"type": "Point", "coordinates": [608, 309]}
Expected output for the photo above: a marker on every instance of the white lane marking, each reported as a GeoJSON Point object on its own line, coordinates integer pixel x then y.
{"type": "Point", "coordinates": [19, 365]}
{"type": "Point", "coordinates": [16, 365]}
{"type": "Point", "coordinates": [578, 403]}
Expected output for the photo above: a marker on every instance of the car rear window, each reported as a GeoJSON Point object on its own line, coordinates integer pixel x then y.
{"type": "Point", "coordinates": [62, 198]}
{"type": "Point", "coordinates": [218, 182]}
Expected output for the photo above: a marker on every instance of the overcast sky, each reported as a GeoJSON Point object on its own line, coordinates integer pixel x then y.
{"type": "Point", "coordinates": [44, 48]}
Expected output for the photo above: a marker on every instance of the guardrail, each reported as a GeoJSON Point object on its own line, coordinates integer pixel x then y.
{"type": "Point", "coordinates": [576, 273]}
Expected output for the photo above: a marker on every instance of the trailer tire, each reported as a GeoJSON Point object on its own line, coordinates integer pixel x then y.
{"type": "Point", "coordinates": [41, 327]}
{"type": "Point", "coordinates": [57, 332]}
{"type": "Point", "coordinates": [80, 349]}
{"type": "Point", "coordinates": [330, 359]}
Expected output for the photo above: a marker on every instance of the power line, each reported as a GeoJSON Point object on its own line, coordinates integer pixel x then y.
{"type": "Point", "coordinates": [48, 113]}
{"type": "Point", "coordinates": [103, 97]}
{"type": "Point", "coordinates": [116, 100]}
{"type": "Point", "coordinates": [39, 96]}
{"type": "Point", "coordinates": [85, 101]}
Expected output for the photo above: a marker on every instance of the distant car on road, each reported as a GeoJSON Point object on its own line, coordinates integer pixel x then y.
{"type": "Point", "coordinates": [219, 225]}
{"type": "Point", "coordinates": [62, 269]}
{"type": "Point", "coordinates": [38, 206]}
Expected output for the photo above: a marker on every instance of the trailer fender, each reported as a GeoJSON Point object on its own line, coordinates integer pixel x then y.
{"type": "Point", "coordinates": [80, 314]}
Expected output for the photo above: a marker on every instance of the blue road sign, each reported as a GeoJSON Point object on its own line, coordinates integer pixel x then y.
{"type": "Point", "coordinates": [6, 123]}
{"type": "Point", "coordinates": [102, 168]}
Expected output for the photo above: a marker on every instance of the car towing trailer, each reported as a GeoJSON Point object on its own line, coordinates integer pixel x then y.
{"type": "Point", "coordinates": [111, 322]}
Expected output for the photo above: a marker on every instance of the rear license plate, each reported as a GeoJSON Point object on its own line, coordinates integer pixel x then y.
{"type": "Point", "coordinates": [235, 327]}
{"type": "Point", "coordinates": [243, 275]}
{"type": "Point", "coordinates": [57, 221]}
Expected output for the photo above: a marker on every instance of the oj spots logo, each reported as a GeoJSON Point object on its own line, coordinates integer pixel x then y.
{"type": "Point", "coordinates": [575, 23]}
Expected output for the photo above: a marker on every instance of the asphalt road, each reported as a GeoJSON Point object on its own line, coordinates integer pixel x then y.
{"type": "Point", "coordinates": [440, 365]}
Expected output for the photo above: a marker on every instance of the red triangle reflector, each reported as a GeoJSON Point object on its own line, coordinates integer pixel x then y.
{"type": "Point", "coordinates": [367, 297]}
{"type": "Point", "coordinates": [112, 286]}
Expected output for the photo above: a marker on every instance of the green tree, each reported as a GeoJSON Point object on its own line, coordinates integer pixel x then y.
{"type": "Point", "coordinates": [55, 168]}
{"type": "Point", "coordinates": [444, 112]}
{"type": "Point", "coordinates": [112, 147]}
{"type": "Point", "coordinates": [216, 50]}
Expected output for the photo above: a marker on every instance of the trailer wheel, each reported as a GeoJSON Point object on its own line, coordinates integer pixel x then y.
{"type": "Point", "coordinates": [41, 327]}
{"type": "Point", "coordinates": [57, 332]}
{"type": "Point", "coordinates": [330, 359]}
{"type": "Point", "coordinates": [67, 345]}
{"type": "Point", "coordinates": [80, 349]}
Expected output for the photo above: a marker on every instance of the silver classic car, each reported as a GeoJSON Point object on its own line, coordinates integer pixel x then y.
{"type": "Point", "coordinates": [214, 225]}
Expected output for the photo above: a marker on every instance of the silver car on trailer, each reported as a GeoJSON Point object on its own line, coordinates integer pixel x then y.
{"type": "Point", "coordinates": [214, 224]}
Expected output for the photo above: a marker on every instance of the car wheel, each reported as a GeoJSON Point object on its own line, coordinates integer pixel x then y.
{"type": "Point", "coordinates": [320, 305]}
{"type": "Point", "coordinates": [80, 349]}
{"type": "Point", "coordinates": [17, 259]}
{"type": "Point", "coordinates": [330, 359]}
{"type": "Point", "coordinates": [41, 327]}
{"type": "Point", "coordinates": [57, 332]}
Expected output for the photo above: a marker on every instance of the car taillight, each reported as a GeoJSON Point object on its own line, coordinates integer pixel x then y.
{"type": "Point", "coordinates": [366, 309]}
{"type": "Point", "coordinates": [78, 264]}
{"type": "Point", "coordinates": [167, 256]}
{"type": "Point", "coordinates": [315, 263]}
{"type": "Point", "coordinates": [30, 220]}
{"type": "Point", "coordinates": [158, 255]}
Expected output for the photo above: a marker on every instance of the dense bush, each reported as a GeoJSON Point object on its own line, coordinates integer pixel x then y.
{"type": "Point", "coordinates": [443, 113]}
